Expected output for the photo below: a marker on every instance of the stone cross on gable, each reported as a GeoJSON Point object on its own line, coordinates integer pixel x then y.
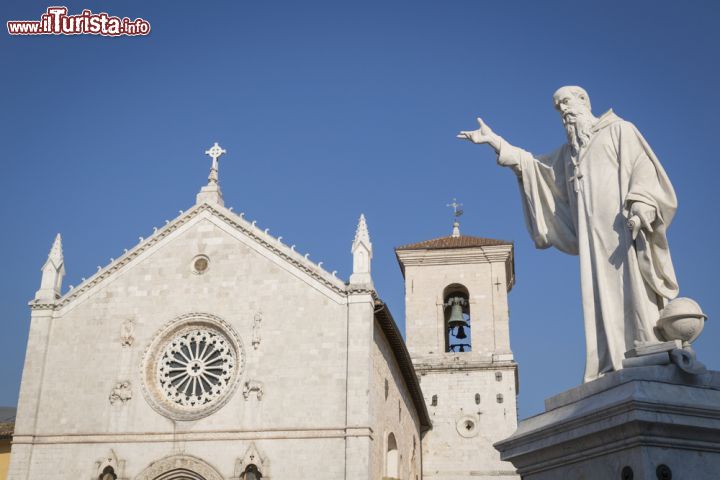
{"type": "Point", "coordinates": [214, 152]}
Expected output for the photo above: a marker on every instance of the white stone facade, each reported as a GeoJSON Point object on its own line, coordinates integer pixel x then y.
{"type": "Point", "coordinates": [305, 394]}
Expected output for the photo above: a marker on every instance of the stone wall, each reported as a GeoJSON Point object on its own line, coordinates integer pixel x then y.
{"type": "Point", "coordinates": [468, 417]}
{"type": "Point", "coordinates": [394, 412]}
{"type": "Point", "coordinates": [300, 361]}
{"type": "Point", "coordinates": [287, 458]}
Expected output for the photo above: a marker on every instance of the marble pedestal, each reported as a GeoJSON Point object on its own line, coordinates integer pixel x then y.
{"type": "Point", "coordinates": [642, 423]}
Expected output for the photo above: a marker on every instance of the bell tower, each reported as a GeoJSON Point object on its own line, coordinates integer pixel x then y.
{"type": "Point", "coordinates": [458, 336]}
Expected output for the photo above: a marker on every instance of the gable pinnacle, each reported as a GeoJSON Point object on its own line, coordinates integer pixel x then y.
{"type": "Point", "coordinates": [362, 255]}
{"type": "Point", "coordinates": [56, 253]}
{"type": "Point", "coordinates": [53, 271]}
{"type": "Point", "coordinates": [362, 234]}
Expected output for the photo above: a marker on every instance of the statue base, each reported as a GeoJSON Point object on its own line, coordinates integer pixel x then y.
{"type": "Point", "coordinates": [643, 423]}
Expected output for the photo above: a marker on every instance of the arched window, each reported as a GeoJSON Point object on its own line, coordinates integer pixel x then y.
{"type": "Point", "coordinates": [251, 473]}
{"type": "Point", "coordinates": [392, 459]}
{"type": "Point", "coordinates": [108, 473]}
{"type": "Point", "coordinates": [456, 301]}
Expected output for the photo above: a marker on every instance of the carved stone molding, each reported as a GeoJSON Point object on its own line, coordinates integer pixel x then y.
{"type": "Point", "coordinates": [121, 393]}
{"type": "Point", "coordinates": [257, 320]}
{"type": "Point", "coordinates": [110, 461]}
{"type": "Point", "coordinates": [253, 386]}
{"type": "Point", "coordinates": [183, 466]}
{"type": "Point", "coordinates": [252, 457]}
{"type": "Point", "coordinates": [127, 333]}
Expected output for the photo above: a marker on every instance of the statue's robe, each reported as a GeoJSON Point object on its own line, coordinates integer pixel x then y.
{"type": "Point", "coordinates": [624, 282]}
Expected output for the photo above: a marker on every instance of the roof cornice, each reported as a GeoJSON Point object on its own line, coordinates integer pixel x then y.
{"type": "Point", "coordinates": [236, 221]}
{"type": "Point", "coordinates": [489, 254]}
{"type": "Point", "coordinates": [503, 253]}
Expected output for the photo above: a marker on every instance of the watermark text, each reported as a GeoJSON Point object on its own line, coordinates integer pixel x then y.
{"type": "Point", "coordinates": [56, 21]}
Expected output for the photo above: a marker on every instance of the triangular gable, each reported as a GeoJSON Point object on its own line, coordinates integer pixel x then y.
{"type": "Point", "coordinates": [259, 240]}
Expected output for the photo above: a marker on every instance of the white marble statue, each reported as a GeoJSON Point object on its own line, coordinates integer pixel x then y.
{"type": "Point", "coordinates": [605, 197]}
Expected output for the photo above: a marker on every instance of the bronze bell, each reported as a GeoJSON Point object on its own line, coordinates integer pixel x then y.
{"type": "Point", "coordinates": [456, 319]}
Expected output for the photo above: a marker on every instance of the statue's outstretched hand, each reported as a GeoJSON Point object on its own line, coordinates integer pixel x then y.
{"type": "Point", "coordinates": [484, 134]}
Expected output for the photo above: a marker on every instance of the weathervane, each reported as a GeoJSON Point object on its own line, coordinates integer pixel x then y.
{"type": "Point", "coordinates": [214, 152]}
{"type": "Point", "coordinates": [457, 211]}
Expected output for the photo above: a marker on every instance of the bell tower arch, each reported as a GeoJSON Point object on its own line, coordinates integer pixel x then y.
{"type": "Point", "coordinates": [458, 327]}
{"type": "Point", "coordinates": [458, 335]}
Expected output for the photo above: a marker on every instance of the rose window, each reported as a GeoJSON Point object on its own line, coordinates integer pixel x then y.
{"type": "Point", "coordinates": [192, 366]}
{"type": "Point", "coordinates": [195, 367]}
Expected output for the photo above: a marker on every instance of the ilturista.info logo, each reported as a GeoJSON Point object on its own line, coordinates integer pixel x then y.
{"type": "Point", "coordinates": [56, 21]}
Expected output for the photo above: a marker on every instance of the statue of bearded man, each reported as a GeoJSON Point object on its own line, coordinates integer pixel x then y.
{"type": "Point", "coordinates": [579, 199]}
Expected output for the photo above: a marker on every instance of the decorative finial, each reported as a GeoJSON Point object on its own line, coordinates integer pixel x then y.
{"type": "Point", "coordinates": [56, 252]}
{"type": "Point", "coordinates": [53, 272]}
{"type": "Point", "coordinates": [361, 233]}
{"type": "Point", "coordinates": [214, 152]}
{"type": "Point", "coordinates": [457, 211]}
{"type": "Point", "coordinates": [362, 254]}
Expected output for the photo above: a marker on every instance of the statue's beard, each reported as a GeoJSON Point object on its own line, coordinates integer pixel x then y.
{"type": "Point", "coordinates": [578, 127]}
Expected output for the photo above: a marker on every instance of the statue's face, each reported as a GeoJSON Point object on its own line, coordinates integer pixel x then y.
{"type": "Point", "coordinates": [569, 105]}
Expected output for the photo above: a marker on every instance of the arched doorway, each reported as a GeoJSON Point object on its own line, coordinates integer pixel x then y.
{"type": "Point", "coordinates": [179, 467]}
{"type": "Point", "coordinates": [180, 474]}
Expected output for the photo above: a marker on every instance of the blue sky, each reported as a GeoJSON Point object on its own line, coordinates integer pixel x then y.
{"type": "Point", "coordinates": [330, 109]}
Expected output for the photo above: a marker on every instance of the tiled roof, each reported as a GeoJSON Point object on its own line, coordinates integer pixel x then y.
{"type": "Point", "coordinates": [463, 241]}
{"type": "Point", "coordinates": [6, 430]}
{"type": "Point", "coordinates": [402, 356]}
{"type": "Point", "coordinates": [7, 422]}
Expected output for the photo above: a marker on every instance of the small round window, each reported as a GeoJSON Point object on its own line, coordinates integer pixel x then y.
{"type": "Point", "coordinates": [200, 264]}
{"type": "Point", "coordinates": [467, 426]}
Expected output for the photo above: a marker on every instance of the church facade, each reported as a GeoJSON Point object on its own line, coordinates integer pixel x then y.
{"type": "Point", "coordinates": [211, 350]}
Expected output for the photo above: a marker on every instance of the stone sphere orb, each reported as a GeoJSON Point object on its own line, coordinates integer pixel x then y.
{"type": "Point", "coordinates": [682, 319]}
